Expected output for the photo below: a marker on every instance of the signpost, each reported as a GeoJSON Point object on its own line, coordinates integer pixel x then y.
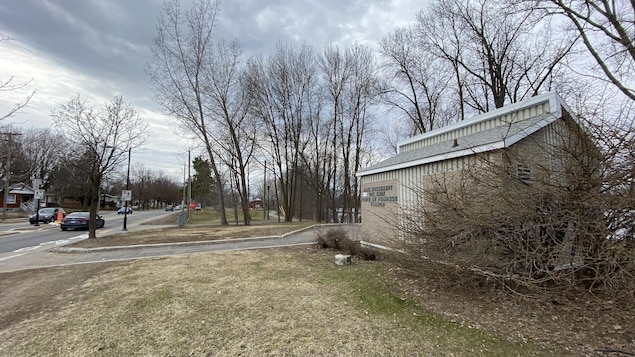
{"type": "Point", "coordinates": [38, 194]}
{"type": "Point", "coordinates": [126, 195]}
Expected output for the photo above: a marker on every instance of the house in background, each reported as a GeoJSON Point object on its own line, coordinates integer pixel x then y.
{"type": "Point", "coordinates": [256, 204]}
{"type": "Point", "coordinates": [522, 138]}
{"type": "Point", "coordinates": [19, 198]}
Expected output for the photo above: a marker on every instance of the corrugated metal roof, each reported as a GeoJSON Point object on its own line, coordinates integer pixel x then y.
{"type": "Point", "coordinates": [556, 104]}
{"type": "Point", "coordinates": [498, 137]}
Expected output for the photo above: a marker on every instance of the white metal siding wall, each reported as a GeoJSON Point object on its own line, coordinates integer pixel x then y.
{"type": "Point", "coordinates": [382, 176]}
{"type": "Point", "coordinates": [377, 224]}
{"type": "Point", "coordinates": [411, 179]}
{"type": "Point", "coordinates": [408, 185]}
{"type": "Point", "coordinates": [555, 141]}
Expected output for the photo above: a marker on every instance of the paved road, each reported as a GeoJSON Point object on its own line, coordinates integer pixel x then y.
{"type": "Point", "coordinates": [20, 235]}
{"type": "Point", "coordinates": [56, 256]}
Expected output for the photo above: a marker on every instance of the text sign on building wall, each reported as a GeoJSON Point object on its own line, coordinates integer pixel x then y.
{"type": "Point", "coordinates": [378, 196]}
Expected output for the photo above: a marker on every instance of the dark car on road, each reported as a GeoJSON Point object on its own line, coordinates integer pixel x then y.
{"type": "Point", "coordinates": [80, 220]}
{"type": "Point", "coordinates": [46, 215]}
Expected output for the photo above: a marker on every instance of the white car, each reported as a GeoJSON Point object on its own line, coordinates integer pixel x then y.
{"type": "Point", "coordinates": [177, 207]}
{"type": "Point", "coordinates": [122, 210]}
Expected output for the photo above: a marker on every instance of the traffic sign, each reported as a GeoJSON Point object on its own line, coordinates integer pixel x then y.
{"type": "Point", "coordinates": [39, 194]}
{"type": "Point", "coordinates": [126, 195]}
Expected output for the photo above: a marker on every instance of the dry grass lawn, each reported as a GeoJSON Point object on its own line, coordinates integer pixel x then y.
{"type": "Point", "coordinates": [191, 233]}
{"type": "Point", "coordinates": [278, 302]}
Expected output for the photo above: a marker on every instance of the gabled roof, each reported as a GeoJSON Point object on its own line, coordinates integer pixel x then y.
{"type": "Point", "coordinates": [17, 188]}
{"type": "Point", "coordinates": [487, 140]}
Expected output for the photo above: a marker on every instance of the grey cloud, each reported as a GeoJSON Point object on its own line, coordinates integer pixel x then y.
{"type": "Point", "coordinates": [97, 38]}
{"type": "Point", "coordinates": [109, 41]}
{"type": "Point", "coordinates": [259, 25]}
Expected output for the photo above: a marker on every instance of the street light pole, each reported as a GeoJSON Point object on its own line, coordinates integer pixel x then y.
{"type": "Point", "coordinates": [125, 210]}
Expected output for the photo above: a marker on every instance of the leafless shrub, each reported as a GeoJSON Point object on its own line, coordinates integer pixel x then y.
{"type": "Point", "coordinates": [338, 239]}
{"type": "Point", "coordinates": [558, 231]}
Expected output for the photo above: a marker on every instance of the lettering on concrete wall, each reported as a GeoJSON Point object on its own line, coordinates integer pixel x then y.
{"type": "Point", "coordinates": [377, 196]}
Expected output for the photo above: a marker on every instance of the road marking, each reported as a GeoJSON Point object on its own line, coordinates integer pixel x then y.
{"type": "Point", "coordinates": [26, 249]}
{"type": "Point", "coordinates": [56, 242]}
{"type": "Point", "coordinates": [13, 256]}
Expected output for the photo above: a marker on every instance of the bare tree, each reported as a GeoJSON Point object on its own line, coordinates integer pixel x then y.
{"type": "Point", "coordinates": [606, 30]}
{"type": "Point", "coordinates": [317, 158]}
{"type": "Point", "coordinates": [282, 90]}
{"type": "Point", "coordinates": [360, 97]}
{"type": "Point", "coordinates": [349, 79]}
{"type": "Point", "coordinates": [416, 81]}
{"type": "Point", "coordinates": [336, 73]}
{"type": "Point", "coordinates": [141, 179]}
{"type": "Point", "coordinates": [233, 129]}
{"type": "Point", "coordinates": [494, 51]}
{"type": "Point", "coordinates": [103, 137]}
{"type": "Point", "coordinates": [164, 189]}
{"type": "Point", "coordinates": [43, 151]}
{"type": "Point", "coordinates": [182, 52]}
{"type": "Point", "coordinates": [391, 132]}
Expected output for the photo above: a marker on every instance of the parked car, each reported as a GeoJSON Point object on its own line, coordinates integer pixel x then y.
{"type": "Point", "coordinates": [177, 207]}
{"type": "Point", "coordinates": [122, 210]}
{"type": "Point", "coordinates": [169, 208]}
{"type": "Point", "coordinates": [80, 220]}
{"type": "Point", "coordinates": [46, 215]}
{"type": "Point", "coordinates": [198, 207]}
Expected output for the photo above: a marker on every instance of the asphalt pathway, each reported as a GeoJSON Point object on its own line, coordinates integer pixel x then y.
{"type": "Point", "coordinates": [59, 256]}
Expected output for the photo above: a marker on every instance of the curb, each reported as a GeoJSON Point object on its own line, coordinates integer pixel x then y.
{"type": "Point", "coordinates": [157, 245]}
{"type": "Point", "coordinates": [183, 244]}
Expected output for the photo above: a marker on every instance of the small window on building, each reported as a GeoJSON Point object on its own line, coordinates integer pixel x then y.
{"type": "Point", "coordinates": [11, 198]}
{"type": "Point", "coordinates": [524, 174]}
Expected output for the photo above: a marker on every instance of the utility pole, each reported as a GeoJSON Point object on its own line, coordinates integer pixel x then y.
{"type": "Point", "coordinates": [7, 179]}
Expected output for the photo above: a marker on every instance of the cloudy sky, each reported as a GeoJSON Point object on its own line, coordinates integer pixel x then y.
{"type": "Point", "coordinates": [98, 49]}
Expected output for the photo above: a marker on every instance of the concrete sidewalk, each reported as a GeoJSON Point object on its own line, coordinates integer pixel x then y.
{"type": "Point", "coordinates": [59, 256]}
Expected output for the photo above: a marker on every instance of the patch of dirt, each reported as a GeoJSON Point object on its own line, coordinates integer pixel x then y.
{"type": "Point", "coordinates": [29, 293]}
{"type": "Point", "coordinates": [581, 323]}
